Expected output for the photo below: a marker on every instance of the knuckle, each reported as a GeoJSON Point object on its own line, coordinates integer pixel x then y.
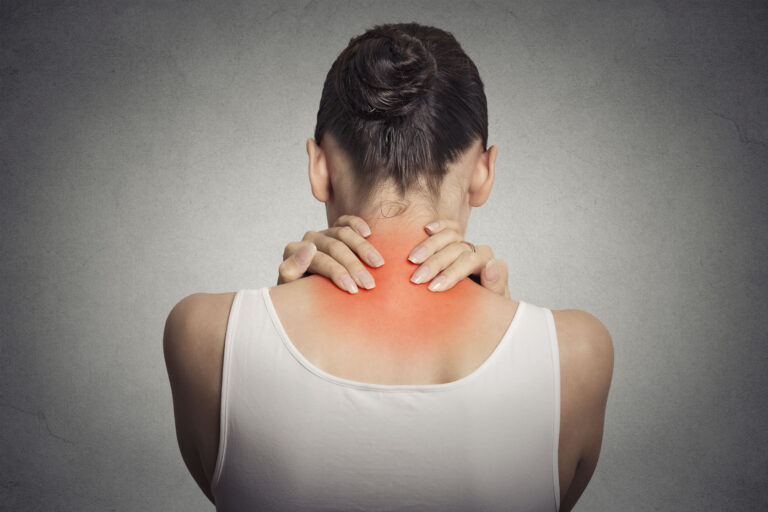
{"type": "Point", "coordinates": [336, 275]}
{"type": "Point", "coordinates": [440, 263]}
{"type": "Point", "coordinates": [468, 254]}
{"type": "Point", "coordinates": [355, 267]}
{"type": "Point", "coordinates": [460, 248]}
{"type": "Point", "coordinates": [285, 269]}
{"type": "Point", "coordinates": [465, 247]}
{"type": "Point", "coordinates": [485, 248]}
{"type": "Point", "coordinates": [434, 263]}
{"type": "Point", "coordinates": [450, 277]}
{"type": "Point", "coordinates": [466, 258]}
{"type": "Point", "coordinates": [318, 264]}
{"type": "Point", "coordinates": [435, 258]}
{"type": "Point", "coordinates": [425, 245]}
{"type": "Point", "coordinates": [452, 235]}
{"type": "Point", "coordinates": [336, 249]}
{"type": "Point", "coordinates": [292, 247]}
{"type": "Point", "coordinates": [449, 226]}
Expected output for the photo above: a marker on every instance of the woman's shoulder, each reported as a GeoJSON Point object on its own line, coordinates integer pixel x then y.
{"type": "Point", "coordinates": [195, 329]}
{"type": "Point", "coordinates": [584, 341]}
{"type": "Point", "coordinates": [193, 345]}
{"type": "Point", "coordinates": [586, 369]}
{"type": "Point", "coordinates": [586, 356]}
{"type": "Point", "coordinates": [198, 316]}
{"type": "Point", "coordinates": [193, 340]}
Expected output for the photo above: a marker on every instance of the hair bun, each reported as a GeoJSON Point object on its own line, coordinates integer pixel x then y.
{"type": "Point", "coordinates": [383, 73]}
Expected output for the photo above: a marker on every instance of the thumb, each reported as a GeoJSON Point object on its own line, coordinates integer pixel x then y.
{"type": "Point", "coordinates": [494, 276]}
{"type": "Point", "coordinates": [294, 266]}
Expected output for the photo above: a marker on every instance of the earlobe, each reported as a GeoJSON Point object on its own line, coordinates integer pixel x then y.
{"type": "Point", "coordinates": [482, 177]}
{"type": "Point", "coordinates": [319, 180]}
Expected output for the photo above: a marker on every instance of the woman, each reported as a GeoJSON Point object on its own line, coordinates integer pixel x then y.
{"type": "Point", "coordinates": [394, 396]}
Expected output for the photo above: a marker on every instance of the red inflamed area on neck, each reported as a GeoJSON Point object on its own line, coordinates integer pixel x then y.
{"type": "Point", "coordinates": [397, 316]}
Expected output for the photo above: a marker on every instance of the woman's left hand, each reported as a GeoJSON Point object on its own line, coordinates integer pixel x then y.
{"type": "Point", "coordinates": [446, 258]}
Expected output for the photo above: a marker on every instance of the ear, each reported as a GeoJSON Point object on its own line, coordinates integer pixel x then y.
{"type": "Point", "coordinates": [483, 174]}
{"type": "Point", "coordinates": [319, 178]}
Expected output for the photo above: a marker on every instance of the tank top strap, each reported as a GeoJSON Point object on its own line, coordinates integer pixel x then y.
{"type": "Point", "coordinates": [248, 369]}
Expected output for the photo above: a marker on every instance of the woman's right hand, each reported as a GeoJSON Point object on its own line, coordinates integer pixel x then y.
{"type": "Point", "coordinates": [335, 253]}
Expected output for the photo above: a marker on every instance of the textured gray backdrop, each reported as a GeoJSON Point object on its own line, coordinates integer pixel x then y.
{"type": "Point", "coordinates": [154, 149]}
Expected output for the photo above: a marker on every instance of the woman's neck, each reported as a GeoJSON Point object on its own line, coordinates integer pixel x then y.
{"type": "Point", "coordinates": [396, 237]}
{"type": "Point", "coordinates": [396, 310]}
{"type": "Point", "coordinates": [398, 224]}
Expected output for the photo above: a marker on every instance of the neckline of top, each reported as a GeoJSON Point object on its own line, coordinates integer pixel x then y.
{"type": "Point", "coordinates": [371, 386]}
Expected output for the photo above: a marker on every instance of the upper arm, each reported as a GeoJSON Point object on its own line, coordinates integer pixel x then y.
{"type": "Point", "coordinates": [193, 345]}
{"type": "Point", "coordinates": [586, 350]}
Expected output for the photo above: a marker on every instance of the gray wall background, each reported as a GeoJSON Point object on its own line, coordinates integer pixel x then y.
{"type": "Point", "coordinates": [154, 149]}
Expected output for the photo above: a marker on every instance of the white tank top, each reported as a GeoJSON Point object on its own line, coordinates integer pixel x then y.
{"type": "Point", "coordinates": [294, 437]}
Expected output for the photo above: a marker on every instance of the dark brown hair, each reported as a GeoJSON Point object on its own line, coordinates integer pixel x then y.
{"type": "Point", "coordinates": [403, 100]}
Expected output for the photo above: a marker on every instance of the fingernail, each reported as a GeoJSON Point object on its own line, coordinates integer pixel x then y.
{"type": "Point", "coordinates": [366, 279]}
{"type": "Point", "coordinates": [375, 258]}
{"type": "Point", "coordinates": [348, 283]}
{"type": "Point", "coordinates": [304, 255]}
{"type": "Point", "coordinates": [363, 229]}
{"type": "Point", "coordinates": [491, 271]}
{"type": "Point", "coordinates": [420, 275]}
{"type": "Point", "coordinates": [432, 226]}
{"type": "Point", "coordinates": [437, 283]}
{"type": "Point", "coordinates": [418, 255]}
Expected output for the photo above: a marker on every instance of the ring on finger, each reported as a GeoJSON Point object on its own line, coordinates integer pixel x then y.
{"type": "Point", "coordinates": [470, 244]}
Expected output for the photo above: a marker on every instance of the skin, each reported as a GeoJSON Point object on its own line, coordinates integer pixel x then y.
{"type": "Point", "coordinates": [342, 249]}
{"type": "Point", "coordinates": [394, 330]}
{"type": "Point", "coordinates": [351, 346]}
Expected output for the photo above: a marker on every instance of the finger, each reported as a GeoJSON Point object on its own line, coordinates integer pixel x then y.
{"type": "Point", "coordinates": [438, 262]}
{"type": "Point", "coordinates": [466, 264]}
{"type": "Point", "coordinates": [433, 244]}
{"type": "Point", "coordinates": [324, 265]}
{"type": "Point", "coordinates": [355, 223]}
{"type": "Point", "coordinates": [362, 247]}
{"type": "Point", "coordinates": [494, 277]}
{"type": "Point", "coordinates": [440, 224]}
{"type": "Point", "coordinates": [343, 255]}
{"type": "Point", "coordinates": [298, 256]}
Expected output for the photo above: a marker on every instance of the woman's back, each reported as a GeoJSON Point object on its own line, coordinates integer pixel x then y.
{"type": "Point", "coordinates": [497, 373]}
{"type": "Point", "coordinates": [429, 342]}
{"type": "Point", "coordinates": [309, 439]}
{"type": "Point", "coordinates": [306, 397]}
